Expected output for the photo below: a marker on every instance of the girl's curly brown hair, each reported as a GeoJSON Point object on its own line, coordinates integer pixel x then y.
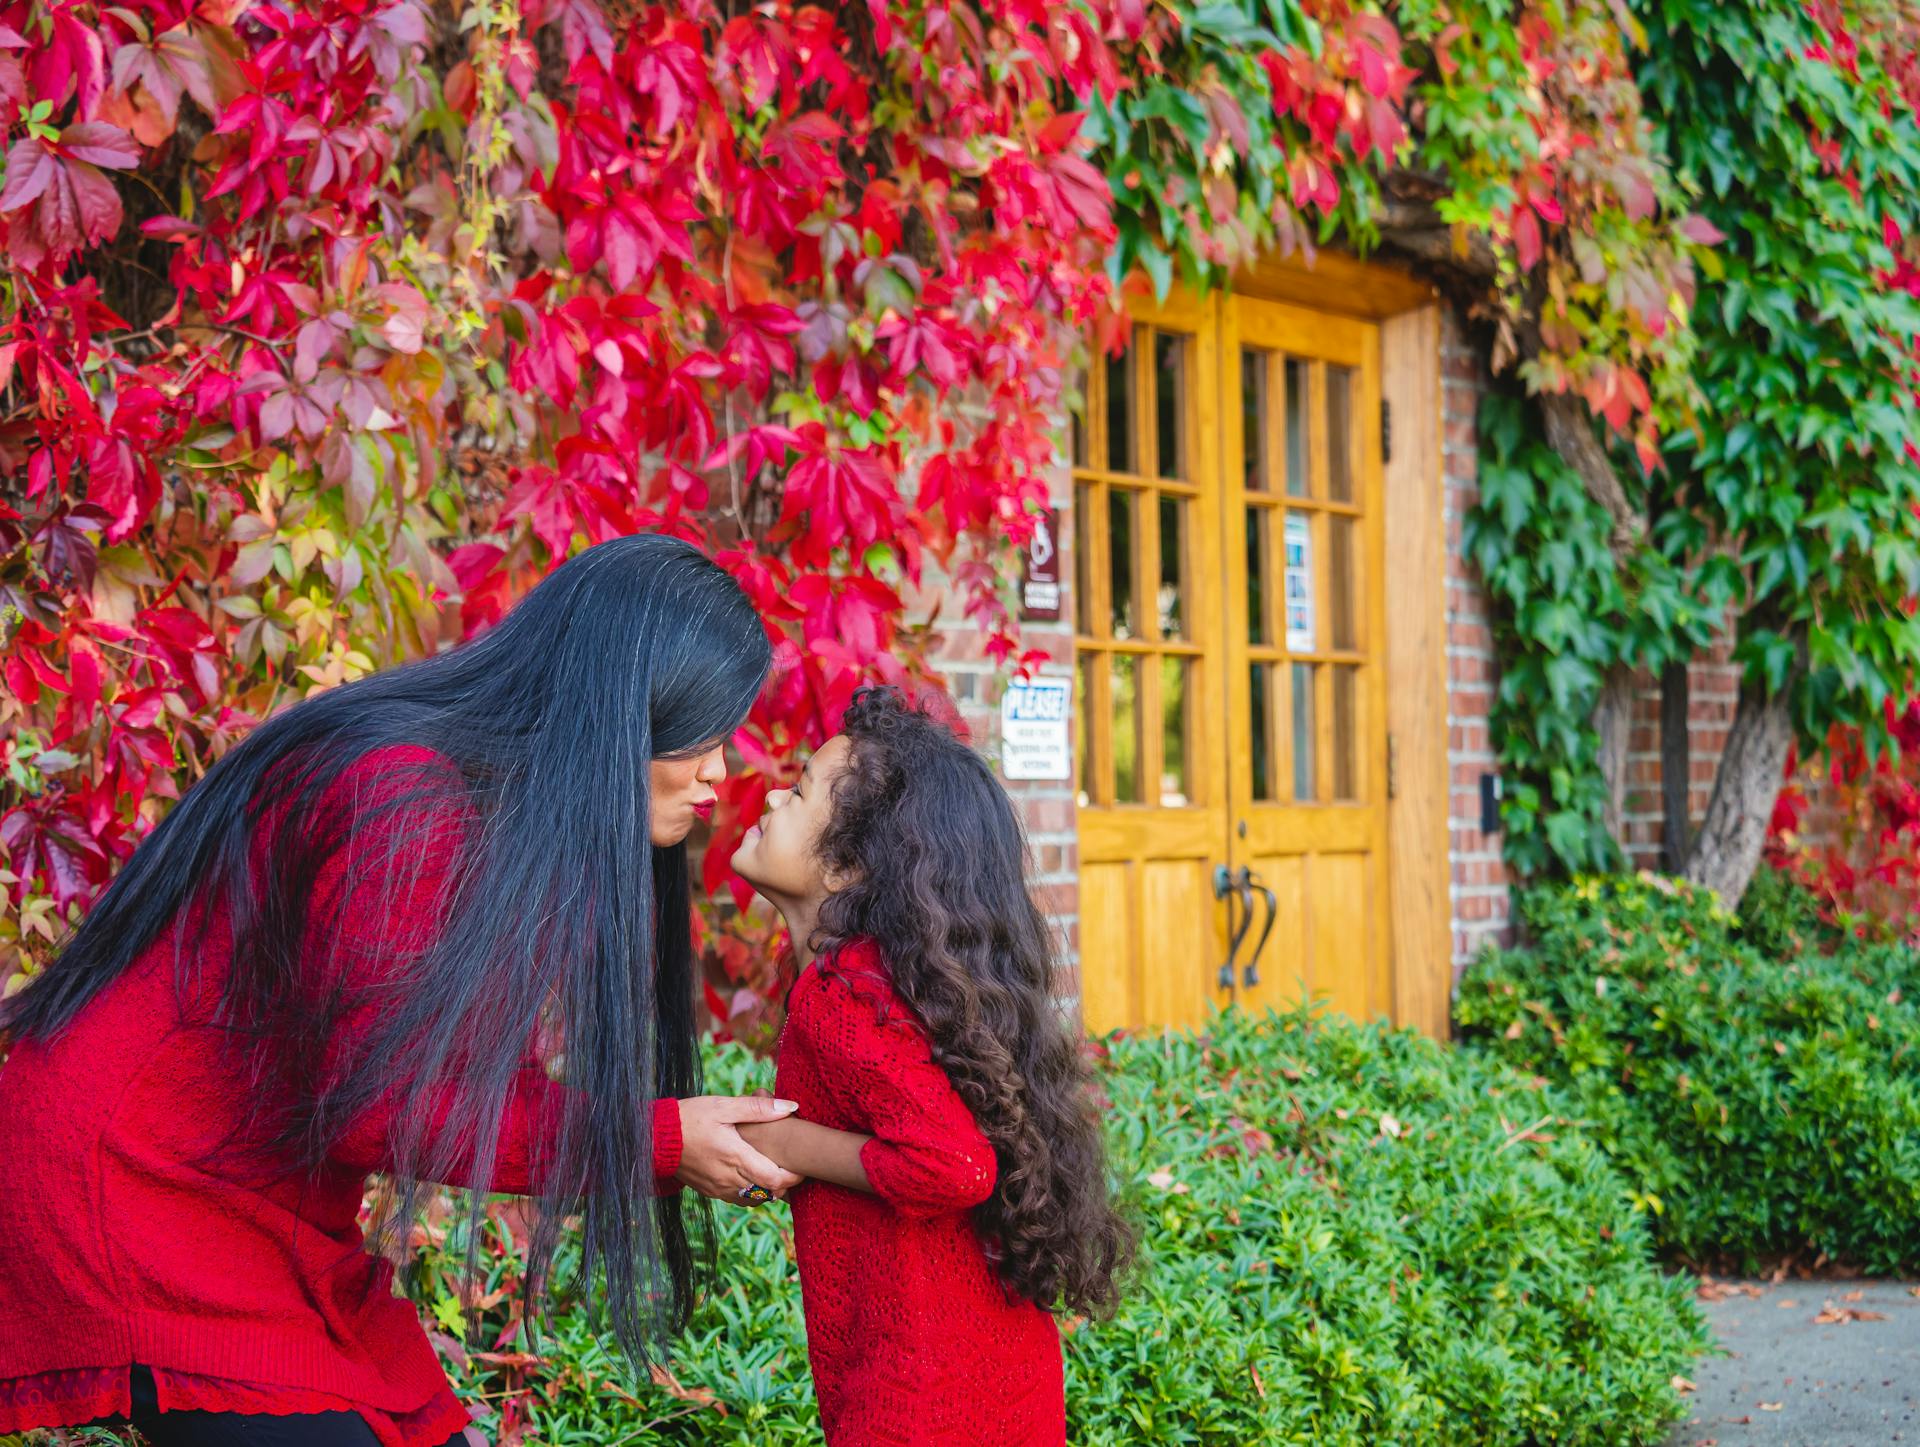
{"type": "Point", "coordinates": [938, 864]}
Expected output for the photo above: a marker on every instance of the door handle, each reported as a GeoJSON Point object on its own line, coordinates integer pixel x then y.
{"type": "Point", "coordinates": [1243, 885]}
{"type": "Point", "coordinates": [1250, 882]}
{"type": "Point", "coordinates": [1227, 886]}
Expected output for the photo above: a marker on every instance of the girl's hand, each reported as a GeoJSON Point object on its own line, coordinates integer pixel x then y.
{"type": "Point", "coordinates": [715, 1159]}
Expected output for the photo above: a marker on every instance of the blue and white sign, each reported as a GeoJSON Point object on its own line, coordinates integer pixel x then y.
{"type": "Point", "coordinates": [1035, 729]}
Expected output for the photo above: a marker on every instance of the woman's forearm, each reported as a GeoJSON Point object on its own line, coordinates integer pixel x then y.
{"type": "Point", "coordinates": [812, 1150]}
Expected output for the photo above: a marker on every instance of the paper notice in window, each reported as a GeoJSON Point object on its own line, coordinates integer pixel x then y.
{"type": "Point", "coordinates": [1034, 737]}
{"type": "Point", "coordinates": [1299, 583]}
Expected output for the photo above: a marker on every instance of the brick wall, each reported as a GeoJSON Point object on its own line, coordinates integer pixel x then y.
{"type": "Point", "coordinates": [1482, 902]}
{"type": "Point", "coordinates": [1713, 692]}
{"type": "Point", "coordinates": [1047, 808]}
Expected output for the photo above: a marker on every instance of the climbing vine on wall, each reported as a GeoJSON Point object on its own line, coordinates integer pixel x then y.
{"type": "Point", "coordinates": [327, 328]}
{"type": "Point", "coordinates": [1784, 506]}
{"type": "Point", "coordinates": [1848, 828]}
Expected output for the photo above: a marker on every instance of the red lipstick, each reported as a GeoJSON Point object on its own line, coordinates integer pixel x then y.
{"type": "Point", "coordinates": [705, 811]}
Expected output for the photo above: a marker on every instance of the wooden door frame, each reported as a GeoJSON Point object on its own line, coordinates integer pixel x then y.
{"type": "Point", "coordinates": [1419, 790]}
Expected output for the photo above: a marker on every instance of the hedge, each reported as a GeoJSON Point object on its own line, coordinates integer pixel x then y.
{"type": "Point", "coordinates": [1757, 1080]}
{"type": "Point", "coordinates": [1349, 1236]}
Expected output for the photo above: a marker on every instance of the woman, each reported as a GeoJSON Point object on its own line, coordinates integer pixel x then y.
{"type": "Point", "coordinates": [434, 924]}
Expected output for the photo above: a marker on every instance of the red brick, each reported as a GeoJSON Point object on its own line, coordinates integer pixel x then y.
{"type": "Point", "coordinates": [1050, 816]}
{"type": "Point", "coordinates": [1057, 899]}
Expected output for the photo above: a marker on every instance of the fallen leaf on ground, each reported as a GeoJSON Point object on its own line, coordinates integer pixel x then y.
{"type": "Point", "coordinates": [512, 1360]}
{"type": "Point", "coordinates": [1681, 1384]}
{"type": "Point", "coordinates": [1843, 1314]}
{"type": "Point", "coordinates": [1165, 1181]}
{"type": "Point", "coordinates": [1788, 1305]}
{"type": "Point", "coordinates": [1711, 1290]}
{"type": "Point", "coordinates": [1771, 1406]}
{"type": "Point", "coordinates": [1853, 1296]}
{"type": "Point", "coordinates": [701, 1395]}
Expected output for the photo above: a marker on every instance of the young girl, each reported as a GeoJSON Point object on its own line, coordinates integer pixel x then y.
{"type": "Point", "coordinates": [957, 1192]}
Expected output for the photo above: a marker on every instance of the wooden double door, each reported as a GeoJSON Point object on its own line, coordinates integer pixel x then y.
{"type": "Point", "coordinates": [1231, 709]}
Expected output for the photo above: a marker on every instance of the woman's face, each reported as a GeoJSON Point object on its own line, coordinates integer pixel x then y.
{"type": "Point", "coordinates": [683, 792]}
{"type": "Point", "coordinates": [779, 855]}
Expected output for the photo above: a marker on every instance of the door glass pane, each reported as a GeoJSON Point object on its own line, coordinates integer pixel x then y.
{"type": "Point", "coordinates": [1083, 728]}
{"type": "Point", "coordinates": [1346, 735]}
{"type": "Point", "coordinates": [1259, 568]}
{"type": "Point", "coordinates": [1126, 730]}
{"type": "Point", "coordinates": [1253, 418]}
{"type": "Point", "coordinates": [1121, 410]}
{"type": "Point", "coordinates": [1084, 524]}
{"type": "Point", "coordinates": [1302, 690]}
{"type": "Point", "coordinates": [1123, 537]}
{"type": "Point", "coordinates": [1173, 568]}
{"type": "Point", "coordinates": [1342, 626]}
{"type": "Point", "coordinates": [1340, 434]}
{"type": "Point", "coordinates": [1176, 771]}
{"type": "Point", "coordinates": [1079, 441]}
{"type": "Point", "coordinates": [1170, 403]}
{"type": "Point", "coordinates": [1260, 728]}
{"type": "Point", "coordinates": [1296, 419]}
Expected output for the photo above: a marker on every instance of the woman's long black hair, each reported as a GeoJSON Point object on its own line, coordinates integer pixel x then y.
{"type": "Point", "coordinates": [937, 862]}
{"type": "Point", "coordinates": [556, 914]}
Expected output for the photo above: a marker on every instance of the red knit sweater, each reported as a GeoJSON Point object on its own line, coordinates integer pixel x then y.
{"type": "Point", "coordinates": [121, 1244]}
{"type": "Point", "coordinates": [912, 1339]}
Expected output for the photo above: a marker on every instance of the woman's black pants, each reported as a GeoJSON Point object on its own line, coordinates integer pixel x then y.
{"type": "Point", "coordinates": [243, 1429]}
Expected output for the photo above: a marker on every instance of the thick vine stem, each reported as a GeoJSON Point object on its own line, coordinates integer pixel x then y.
{"type": "Point", "coordinates": [1727, 850]}
{"type": "Point", "coordinates": [1569, 428]}
{"type": "Point", "coordinates": [1613, 722]}
{"type": "Point", "coordinates": [1413, 227]}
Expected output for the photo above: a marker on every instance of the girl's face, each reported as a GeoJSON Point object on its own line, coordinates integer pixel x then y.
{"type": "Point", "coordinates": [778, 856]}
{"type": "Point", "coordinates": [682, 792]}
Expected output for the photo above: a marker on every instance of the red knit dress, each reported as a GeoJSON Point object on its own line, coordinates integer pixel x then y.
{"type": "Point", "coordinates": [913, 1341]}
{"type": "Point", "coordinates": [121, 1244]}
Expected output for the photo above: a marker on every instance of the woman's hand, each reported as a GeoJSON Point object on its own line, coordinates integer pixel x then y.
{"type": "Point", "coordinates": [715, 1159]}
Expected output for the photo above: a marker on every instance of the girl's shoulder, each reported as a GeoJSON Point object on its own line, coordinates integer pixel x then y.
{"type": "Point", "coordinates": [851, 977]}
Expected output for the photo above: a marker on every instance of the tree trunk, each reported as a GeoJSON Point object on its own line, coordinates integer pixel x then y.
{"type": "Point", "coordinates": [1613, 721]}
{"type": "Point", "coordinates": [1734, 831]}
{"type": "Point", "coordinates": [1676, 764]}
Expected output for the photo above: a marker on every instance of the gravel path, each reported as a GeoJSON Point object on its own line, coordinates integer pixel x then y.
{"type": "Point", "coordinates": [1811, 1364]}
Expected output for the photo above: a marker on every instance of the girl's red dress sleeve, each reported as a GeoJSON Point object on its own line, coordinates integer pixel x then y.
{"type": "Point", "coordinates": [376, 914]}
{"type": "Point", "coordinates": [927, 1155]}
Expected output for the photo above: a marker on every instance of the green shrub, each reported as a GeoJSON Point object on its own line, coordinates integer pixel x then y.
{"type": "Point", "coordinates": [1350, 1236]}
{"type": "Point", "coordinates": [1780, 918]}
{"type": "Point", "coordinates": [1762, 1094]}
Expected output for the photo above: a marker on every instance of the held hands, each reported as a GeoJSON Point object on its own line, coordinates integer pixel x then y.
{"type": "Point", "coordinates": [716, 1160]}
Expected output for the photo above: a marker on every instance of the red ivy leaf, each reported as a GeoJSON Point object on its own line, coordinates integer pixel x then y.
{"type": "Point", "coordinates": [1700, 231]}
{"type": "Point", "coordinates": [74, 205]}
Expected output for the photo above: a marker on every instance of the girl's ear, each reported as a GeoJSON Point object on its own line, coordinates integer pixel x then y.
{"type": "Point", "coordinates": [836, 880]}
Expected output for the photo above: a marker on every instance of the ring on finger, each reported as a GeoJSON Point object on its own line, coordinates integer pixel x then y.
{"type": "Point", "coordinates": [755, 1195]}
